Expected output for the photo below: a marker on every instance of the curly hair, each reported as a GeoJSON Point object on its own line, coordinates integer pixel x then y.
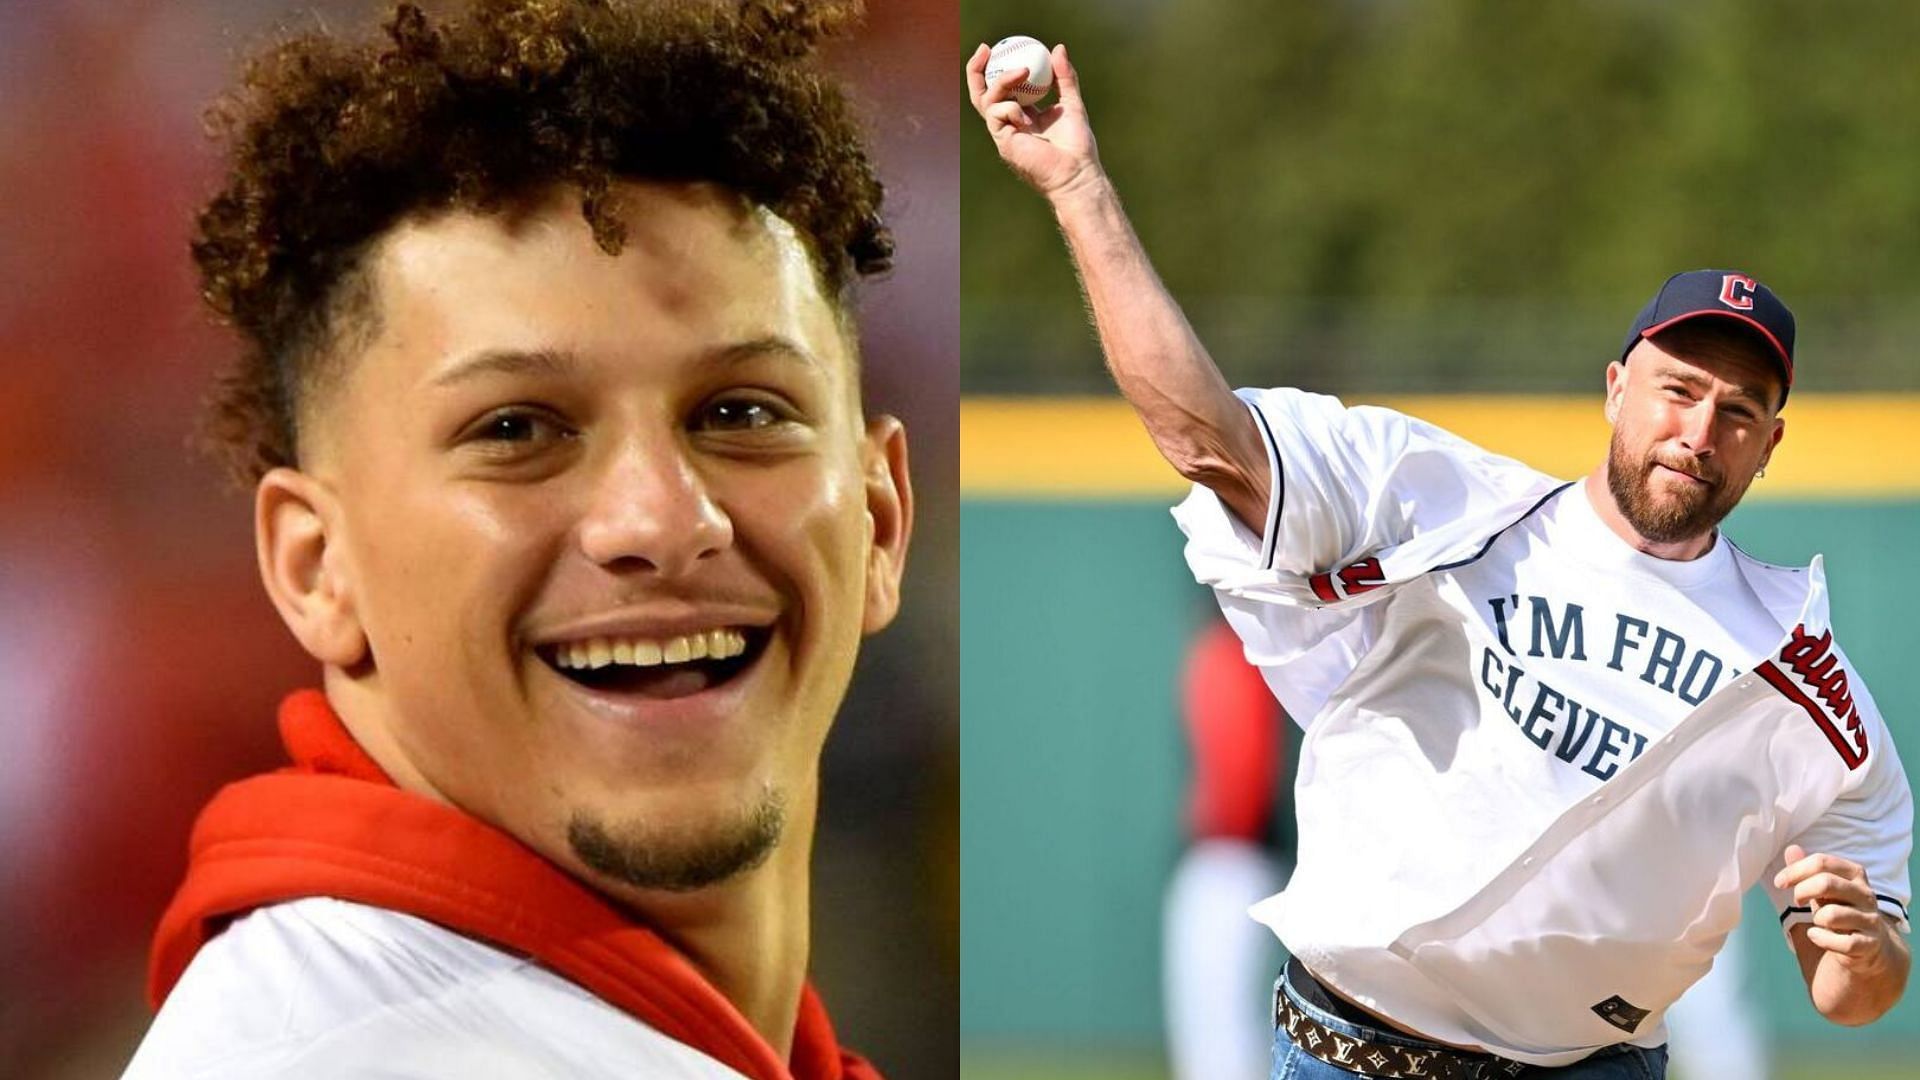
{"type": "Point", "coordinates": [331, 142]}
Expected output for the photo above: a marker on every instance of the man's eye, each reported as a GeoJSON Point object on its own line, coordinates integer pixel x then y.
{"type": "Point", "coordinates": [517, 426]}
{"type": "Point", "coordinates": [740, 414]}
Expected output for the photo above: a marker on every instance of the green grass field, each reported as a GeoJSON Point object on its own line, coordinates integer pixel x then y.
{"type": "Point", "coordinates": [981, 1066]}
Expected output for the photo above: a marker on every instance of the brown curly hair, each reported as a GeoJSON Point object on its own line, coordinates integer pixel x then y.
{"type": "Point", "coordinates": [331, 142]}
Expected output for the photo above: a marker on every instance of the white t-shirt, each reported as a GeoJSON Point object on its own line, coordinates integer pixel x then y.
{"type": "Point", "coordinates": [1540, 766]}
{"type": "Point", "coordinates": [324, 989]}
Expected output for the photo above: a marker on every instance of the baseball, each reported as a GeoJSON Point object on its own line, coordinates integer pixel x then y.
{"type": "Point", "coordinates": [1020, 51]}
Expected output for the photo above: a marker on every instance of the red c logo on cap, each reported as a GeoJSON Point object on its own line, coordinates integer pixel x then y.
{"type": "Point", "coordinates": [1736, 291]}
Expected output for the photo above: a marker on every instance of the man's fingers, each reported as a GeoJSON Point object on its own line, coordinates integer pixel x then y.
{"type": "Point", "coordinates": [977, 74]}
{"type": "Point", "coordinates": [1845, 919]}
{"type": "Point", "coordinates": [994, 100]}
{"type": "Point", "coordinates": [1798, 866]}
{"type": "Point", "coordinates": [1066, 80]}
{"type": "Point", "coordinates": [1001, 88]}
{"type": "Point", "coordinates": [1826, 887]}
{"type": "Point", "coordinates": [1007, 114]}
{"type": "Point", "coordinates": [1848, 945]}
{"type": "Point", "coordinates": [1801, 866]}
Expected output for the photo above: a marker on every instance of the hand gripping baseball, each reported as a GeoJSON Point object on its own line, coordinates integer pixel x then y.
{"type": "Point", "coordinates": [1052, 149]}
{"type": "Point", "coordinates": [1860, 950]}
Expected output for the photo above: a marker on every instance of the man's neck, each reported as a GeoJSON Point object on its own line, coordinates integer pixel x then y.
{"type": "Point", "coordinates": [1601, 496]}
{"type": "Point", "coordinates": [749, 936]}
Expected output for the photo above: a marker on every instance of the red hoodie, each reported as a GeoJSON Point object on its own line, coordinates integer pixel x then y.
{"type": "Point", "coordinates": [333, 824]}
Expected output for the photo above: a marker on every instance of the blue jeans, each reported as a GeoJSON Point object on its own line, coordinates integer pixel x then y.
{"type": "Point", "coordinates": [1620, 1062]}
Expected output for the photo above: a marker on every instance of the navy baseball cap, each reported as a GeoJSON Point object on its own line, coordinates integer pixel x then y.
{"type": "Point", "coordinates": [1728, 294]}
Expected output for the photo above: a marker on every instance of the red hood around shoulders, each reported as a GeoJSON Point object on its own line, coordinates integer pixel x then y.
{"type": "Point", "coordinates": [333, 824]}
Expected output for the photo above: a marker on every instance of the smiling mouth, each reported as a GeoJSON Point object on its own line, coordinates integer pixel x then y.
{"type": "Point", "coordinates": [1681, 472]}
{"type": "Point", "coordinates": [658, 668]}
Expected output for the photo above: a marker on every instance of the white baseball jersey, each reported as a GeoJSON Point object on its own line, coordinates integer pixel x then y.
{"type": "Point", "coordinates": [319, 989]}
{"type": "Point", "coordinates": [1540, 767]}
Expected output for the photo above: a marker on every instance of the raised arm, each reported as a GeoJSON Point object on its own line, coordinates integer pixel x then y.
{"type": "Point", "coordinates": [1158, 363]}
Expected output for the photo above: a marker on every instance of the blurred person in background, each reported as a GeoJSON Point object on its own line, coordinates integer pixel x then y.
{"type": "Point", "coordinates": [550, 403]}
{"type": "Point", "coordinates": [1238, 826]}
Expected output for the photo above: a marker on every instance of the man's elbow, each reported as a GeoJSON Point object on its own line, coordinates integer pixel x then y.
{"type": "Point", "coordinates": [1241, 493]}
{"type": "Point", "coordinates": [1206, 467]}
{"type": "Point", "coordinates": [1862, 1002]}
{"type": "Point", "coordinates": [1221, 475]}
{"type": "Point", "coordinates": [1209, 447]}
{"type": "Point", "coordinates": [1855, 1012]}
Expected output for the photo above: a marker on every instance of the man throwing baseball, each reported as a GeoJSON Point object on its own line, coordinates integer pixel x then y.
{"type": "Point", "coordinates": [1554, 730]}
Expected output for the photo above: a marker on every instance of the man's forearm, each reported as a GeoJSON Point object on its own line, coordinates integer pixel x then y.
{"type": "Point", "coordinates": [1852, 994]}
{"type": "Point", "coordinates": [1157, 360]}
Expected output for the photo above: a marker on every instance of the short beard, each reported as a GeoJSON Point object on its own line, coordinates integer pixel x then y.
{"type": "Point", "coordinates": [1671, 520]}
{"type": "Point", "coordinates": [648, 856]}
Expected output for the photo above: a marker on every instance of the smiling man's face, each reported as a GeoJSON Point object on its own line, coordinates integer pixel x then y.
{"type": "Point", "coordinates": [601, 533]}
{"type": "Point", "coordinates": [1693, 419]}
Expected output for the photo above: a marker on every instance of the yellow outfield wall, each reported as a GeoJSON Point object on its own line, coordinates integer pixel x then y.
{"type": "Point", "coordinates": [1837, 446]}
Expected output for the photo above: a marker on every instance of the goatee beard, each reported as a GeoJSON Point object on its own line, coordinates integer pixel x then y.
{"type": "Point", "coordinates": [1691, 512]}
{"type": "Point", "coordinates": [672, 858]}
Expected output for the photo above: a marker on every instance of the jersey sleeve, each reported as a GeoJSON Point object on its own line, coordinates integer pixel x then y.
{"type": "Point", "coordinates": [1345, 482]}
{"type": "Point", "coordinates": [1872, 825]}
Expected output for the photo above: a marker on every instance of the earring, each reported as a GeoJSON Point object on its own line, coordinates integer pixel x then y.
{"type": "Point", "coordinates": [1762, 472]}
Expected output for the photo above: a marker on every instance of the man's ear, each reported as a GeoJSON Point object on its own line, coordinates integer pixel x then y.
{"type": "Point", "coordinates": [304, 567]}
{"type": "Point", "coordinates": [1616, 389]}
{"type": "Point", "coordinates": [1773, 441]}
{"type": "Point", "coordinates": [890, 513]}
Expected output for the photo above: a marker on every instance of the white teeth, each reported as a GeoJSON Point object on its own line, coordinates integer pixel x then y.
{"type": "Point", "coordinates": [648, 652]}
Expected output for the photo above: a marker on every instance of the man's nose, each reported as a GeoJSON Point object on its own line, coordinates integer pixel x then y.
{"type": "Point", "coordinates": [651, 505]}
{"type": "Point", "coordinates": [1698, 426]}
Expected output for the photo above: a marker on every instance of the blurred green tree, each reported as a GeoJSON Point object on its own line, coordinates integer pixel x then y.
{"type": "Point", "coordinates": [1421, 195]}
